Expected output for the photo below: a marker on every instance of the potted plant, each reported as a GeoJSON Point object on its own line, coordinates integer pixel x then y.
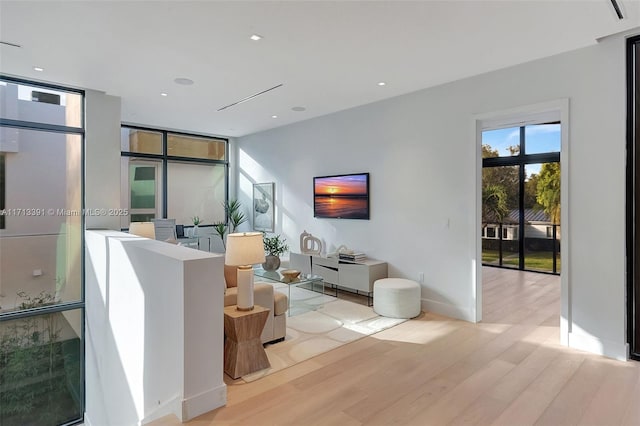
{"type": "Point", "coordinates": [235, 215]}
{"type": "Point", "coordinates": [196, 222]}
{"type": "Point", "coordinates": [273, 248]}
{"type": "Point", "coordinates": [220, 228]}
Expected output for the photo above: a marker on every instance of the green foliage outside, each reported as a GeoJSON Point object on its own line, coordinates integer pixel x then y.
{"type": "Point", "coordinates": [494, 203]}
{"type": "Point", "coordinates": [548, 190]}
{"type": "Point", "coordinates": [39, 373]}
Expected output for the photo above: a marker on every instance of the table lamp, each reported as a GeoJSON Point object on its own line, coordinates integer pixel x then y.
{"type": "Point", "coordinates": [244, 249]}
{"type": "Point", "coordinates": [143, 229]}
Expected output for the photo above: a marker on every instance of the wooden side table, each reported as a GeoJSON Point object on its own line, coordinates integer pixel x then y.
{"type": "Point", "coordinates": [243, 351]}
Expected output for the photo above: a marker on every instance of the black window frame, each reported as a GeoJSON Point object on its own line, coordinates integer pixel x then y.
{"type": "Point", "coordinates": [72, 305]}
{"type": "Point", "coordinates": [521, 160]}
{"type": "Point", "coordinates": [164, 158]}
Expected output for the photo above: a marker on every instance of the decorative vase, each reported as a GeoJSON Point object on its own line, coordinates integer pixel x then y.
{"type": "Point", "coordinates": [195, 230]}
{"type": "Point", "coordinates": [271, 263]}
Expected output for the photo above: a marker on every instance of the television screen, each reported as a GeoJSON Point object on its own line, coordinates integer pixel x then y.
{"type": "Point", "coordinates": [342, 196]}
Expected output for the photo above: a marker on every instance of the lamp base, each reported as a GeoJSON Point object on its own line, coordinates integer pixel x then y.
{"type": "Point", "coordinates": [245, 288]}
{"type": "Point", "coordinates": [238, 308]}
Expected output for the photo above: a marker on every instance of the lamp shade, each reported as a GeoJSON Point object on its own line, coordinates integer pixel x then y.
{"type": "Point", "coordinates": [244, 248]}
{"type": "Point", "coordinates": [143, 229]}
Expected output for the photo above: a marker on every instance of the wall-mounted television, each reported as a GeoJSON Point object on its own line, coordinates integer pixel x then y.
{"type": "Point", "coordinates": [341, 196]}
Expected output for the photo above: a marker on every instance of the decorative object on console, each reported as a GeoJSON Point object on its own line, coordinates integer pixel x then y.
{"type": "Point", "coordinates": [263, 209]}
{"type": "Point", "coordinates": [353, 256]}
{"type": "Point", "coordinates": [143, 229]}
{"type": "Point", "coordinates": [310, 244]}
{"type": "Point", "coordinates": [290, 275]}
{"type": "Point", "coordinates": [341, 197]}
{"type": "Point", "coordinates": [244, 250]}
{"type": "Point", "coordinates": [273, 247]}
{"type": "Point", "coordinates": [340, 250]}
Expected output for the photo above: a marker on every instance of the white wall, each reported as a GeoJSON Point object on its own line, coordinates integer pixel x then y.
{"type": "Point", "coordinates": [421, 154]}
{"type": "Point", "coordinates": [154, 330]}
{"type": "Point", "coordinates": [102, 159]}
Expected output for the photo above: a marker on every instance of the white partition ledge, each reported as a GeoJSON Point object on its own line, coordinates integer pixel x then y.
{"type": "Point", "coordinates": [154, 330]}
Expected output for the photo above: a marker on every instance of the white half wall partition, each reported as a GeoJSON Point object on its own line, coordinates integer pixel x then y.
{"type": "Point", "coordinates": [154, 321]}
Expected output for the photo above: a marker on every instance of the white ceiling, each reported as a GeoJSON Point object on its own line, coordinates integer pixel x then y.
{"type": "Point", "coordinates": [329, 56]}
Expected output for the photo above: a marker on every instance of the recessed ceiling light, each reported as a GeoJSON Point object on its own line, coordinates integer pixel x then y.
{"type": "Point", "coordinates": [382, 83]}
{"type": "Point", "coordinates": [183, 81]}
{"type": "Point", "coordinates": [298, 109]}
{"type": "Point", "coordinates": [163, 94]}
{"type": "Point", "coordinates": [255, 37]}
{"type": "Point", "coordinates": [38, 69]}
{"type": "Point", "coordinates": [274, 116]}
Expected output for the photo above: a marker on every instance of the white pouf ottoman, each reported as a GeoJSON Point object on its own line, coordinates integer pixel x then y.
{"type": "Point", "coordinates": [396, 298]}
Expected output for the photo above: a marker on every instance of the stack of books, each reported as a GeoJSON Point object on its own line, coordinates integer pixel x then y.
{"type": "Point", "coordinates": [354, 257]}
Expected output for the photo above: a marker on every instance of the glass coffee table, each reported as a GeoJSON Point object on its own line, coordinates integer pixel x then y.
{"type": "Point", "coordinates": [307, 288]}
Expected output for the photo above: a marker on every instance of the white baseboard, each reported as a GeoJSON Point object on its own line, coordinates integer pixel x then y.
{"type": "Point", "coordinates": [447, 309]}
{"type": "Point", "coordinates": [204, 402]}
{"type": "Point", "coordinates": [594, 345]}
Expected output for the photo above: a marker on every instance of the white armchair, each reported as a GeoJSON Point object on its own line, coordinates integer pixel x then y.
{"type": "Point", "coordinates": [275, 329]}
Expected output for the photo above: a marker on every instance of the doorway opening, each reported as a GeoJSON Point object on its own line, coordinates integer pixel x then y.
{"type": "Point", "coordinates": [522, 182]}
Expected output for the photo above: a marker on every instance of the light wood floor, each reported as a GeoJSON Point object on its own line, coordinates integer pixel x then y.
{"type": "Point", "coordinates": [507, 370]}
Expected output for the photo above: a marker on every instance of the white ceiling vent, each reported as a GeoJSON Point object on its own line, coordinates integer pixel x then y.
{"type": "Point", "coordinates": [248, 98]}
{"type": "Point", "coordinates": [617, 9]}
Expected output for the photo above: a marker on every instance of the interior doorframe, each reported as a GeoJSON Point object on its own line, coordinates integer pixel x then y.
{"type": "Point", "coordinates": [517, 117]}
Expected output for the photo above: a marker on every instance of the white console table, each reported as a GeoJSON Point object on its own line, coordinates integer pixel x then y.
{"type": "Point", "coordinates": [355, 276]}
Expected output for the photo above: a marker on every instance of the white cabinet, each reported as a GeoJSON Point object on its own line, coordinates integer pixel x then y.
{"type": "Point", "coordinates": [356, 276]}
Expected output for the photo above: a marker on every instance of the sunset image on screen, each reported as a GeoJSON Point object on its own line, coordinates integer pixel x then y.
{"type": "Point", "coordinates": [342, 196]}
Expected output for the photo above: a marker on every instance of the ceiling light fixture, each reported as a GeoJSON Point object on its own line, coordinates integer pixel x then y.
{"type": "Point", "coordinates": [298, 109]}
{"type": "Point", "coordinates": [382, 83]}
{"type": "Point", "coordinates": [255, 37]}
{"type": "Point", "coordinates": [248, 98]}
{"type": "Point", "coordinates": [39, 69]}
{"type": "Point", "coordinates": [183, 81]}
{"type": "Point", "coordinates": [163, 94]}
{"type": "Point", "coordinates": [274, 116]}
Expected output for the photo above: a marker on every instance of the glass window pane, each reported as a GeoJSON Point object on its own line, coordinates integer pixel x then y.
{"type": "Point", "coordinates": [40, 368]}
{"type": "Point", "coordinates": [500, 192]}
{"type": "Point", "coordinates": [140, 189]}
{"type": "Point", "coordinates": [542, 213]}
{"type": "Point", "coordinates": [140, 141]}
{"type": "Point", "coordinates": [196, 190]}
{"type": "Point", "coordinates": [501, 142]}
{"type": "Point", "coordinates": [541, 138]}
{"type": "Point", "coordinates": [41, 242]}
{"type": "Point", "coordinates": [40, 104]}
{"type": "Point", "coordinates": [195, 147]}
